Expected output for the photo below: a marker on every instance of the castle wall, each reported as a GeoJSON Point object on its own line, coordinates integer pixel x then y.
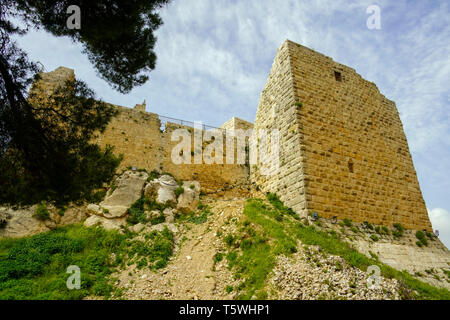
{"type": "Point", "coordinates": [345, 144]}
{"type": "Point", "coordinates": [276, 112]}
{"type": "Point", "coordinates": [140, 137]}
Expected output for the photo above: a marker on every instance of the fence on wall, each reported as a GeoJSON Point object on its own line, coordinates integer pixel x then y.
{"type": "Point", "coordinates": [164, 120]}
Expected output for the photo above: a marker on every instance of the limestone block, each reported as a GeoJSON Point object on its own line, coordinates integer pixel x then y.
{"type": "Point", "coordinates": [107, 224]}
{"type": "Point", "coordinates": [128, 190]}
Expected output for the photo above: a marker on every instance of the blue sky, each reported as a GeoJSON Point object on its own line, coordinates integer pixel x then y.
{"type": "Point", "coordinates": [214, 58]}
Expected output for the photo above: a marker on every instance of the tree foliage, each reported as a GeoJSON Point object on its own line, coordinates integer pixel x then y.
{"type": "Point", "coordinates": [46, 148]}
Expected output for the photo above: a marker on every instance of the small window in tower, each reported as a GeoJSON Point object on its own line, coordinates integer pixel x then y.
{"type": "Point", "coordinates": [350, 166]}
{"type": "Point", "coordinates": [338, 76]}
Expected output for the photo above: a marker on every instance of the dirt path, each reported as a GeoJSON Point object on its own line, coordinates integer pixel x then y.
{"type": "Point", "coordinates": [191, 273]}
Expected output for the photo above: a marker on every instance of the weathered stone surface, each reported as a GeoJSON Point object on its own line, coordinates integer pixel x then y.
{"type": "Point", "coordinates": [108, 224]}
{"type": "Point", "coordinates": [137, 227]}
{"type": "Point", "coordinates": [162, 189]}
{"type": "Point", "coordinates": [342, 149]}
{"type": "Point", "coordinates": [21, 223]}
{"type": "Point", "coordinates": [128, 189]}
{"type": "Point", "coordinates": [165, 194]}
{"type": "Point", "coordinates": [169, 214]}
{"type": "Point", "coordinates": [188, 200]}
{"type": "Point", "coordinates": [93, 209]}
{"type": "Point", "coordinates": [160, 227]}
{"type": "Point", "coordinates": [72, 215]}
{"type": "Point", "coordinates": [152, 214]}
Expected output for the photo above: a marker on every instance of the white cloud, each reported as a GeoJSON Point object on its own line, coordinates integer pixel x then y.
{"type": "Point", "coordinates": [440, 219]}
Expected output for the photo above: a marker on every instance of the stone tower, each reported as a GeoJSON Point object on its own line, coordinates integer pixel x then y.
{"type": "Point", "coordinates": [343, 151]}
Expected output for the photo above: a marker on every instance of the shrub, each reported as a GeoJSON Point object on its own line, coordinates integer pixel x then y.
{"type": "Point", "coordinates": [347, 222]}
{"type": "Point", "coordinates": [421, 237]}
{"type": "Point", "coordinates": [228, 289]}
{"type": "Point", "coordinates": [229, 240]}
{"type": "Point", "coordinates": [179, 190]}
{"type": "Point", "coordinates": [97, 196]}
{"type": "Point", "coordinates": [374, 238]}
{"type": "Point", "coordinates": [398, 232]}
{"type": "Point", "coordinates": [35, 267]}
{"type": "Point", "coordinates": [368, 225]}
{"type": "Point", "coordinates": [277, 204]}
{"type": "Point", "coordinates": [218, 257]}
{"type": "Point", "coordinates": [41, 212]}
{"type": "Point", "coordinates": [354, 229]}
{"type": "Point", "coordinates": [153, 175]}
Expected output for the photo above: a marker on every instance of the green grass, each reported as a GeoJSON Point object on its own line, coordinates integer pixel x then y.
{"type": "Point", "coordinates": [178, 191]}
{"type": "Point", "coordinates": [41, 212]}
{"type": "Point", "coordinates": [35, 267]}
{"type": "Point", "coordinates": [422, 239]}
{"type": "Point", "coordinates": [347, 222]}
{"type": "Point", "coordinates": [137, 211]}
{"type": "Point", "coordinates": [196, 217]}
{"type": "Point", "coordinates": [263, 236]}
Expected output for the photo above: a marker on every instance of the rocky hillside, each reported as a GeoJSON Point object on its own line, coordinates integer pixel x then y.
{"type": "Point", "coordinates": [159, 238]}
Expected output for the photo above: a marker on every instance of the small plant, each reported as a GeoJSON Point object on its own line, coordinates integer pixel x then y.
{"type": "Point", "coordinates": [374, 238]}
{"type": "Point", "coordinates": [422, 240]}
{"type": "Point", "coordinates": [229, 240]}
{"type": "Point", "coordinates": [347, 222]}
{"type": "Point", "coordinates": [218, 257]}
{"type": "Point", "coordinates": [41, 212]}
{"type": "Point", "coordinates": [153, 175]}
{"type": "Point", "coordinates": [228, 289]}
{"type": "Point", "coordinates": [179, 190]}
{"type": "Point", "coordinates": [398, 232]}
{"type": "Point", "coordinates": [368, 225]}
{"type": "Point", "coordinates": [98, 196]}
{"type": "Point", "coordinates": [354, 229]}
{"type": "Point", "coordinates": [62, 211]}
{"type": "Point", "coordinates": [192, 186]}
{"type": "Point", "coordinates": [299, 105]}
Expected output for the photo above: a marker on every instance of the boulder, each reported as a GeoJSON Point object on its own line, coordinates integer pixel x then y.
{"type": "Point", "coordinates": [93, 209]}
{"type": "Point", "coordinates": [162, 189]}
{"type": "Point", "coordinates": [188, 200]}
{"type": "Point", "coordinates": [160, 227]}
{"type": "Point", "coordinates": [20, 223]}
{"type": "Point", "coordinates": [107, 224]}
{"type": "Point", "coordinates": [128, 190]}
{"type": "Point", "coordinates": [137, 228]}
{"type": "Point", "coordinates": [165, 194]}
{"type": "Point", "coordinates": [73, 215]}
{"type": "Point", "coordinates": [169, 214]}
{"type": "Point", "coordinates": [153, 214]}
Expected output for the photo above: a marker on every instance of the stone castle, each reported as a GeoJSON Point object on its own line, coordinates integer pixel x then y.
{"type": "Point", "coordinates": [342, 151]}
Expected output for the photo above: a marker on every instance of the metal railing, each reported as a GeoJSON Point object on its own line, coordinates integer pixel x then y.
{"type": "Point", "coordinates": [186, 123]}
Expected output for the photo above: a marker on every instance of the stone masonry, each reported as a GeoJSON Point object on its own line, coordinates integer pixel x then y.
{"type": "Point", "coordinates": [146, 144]}
{"type": "Point", "coordinates": [343, 151]}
